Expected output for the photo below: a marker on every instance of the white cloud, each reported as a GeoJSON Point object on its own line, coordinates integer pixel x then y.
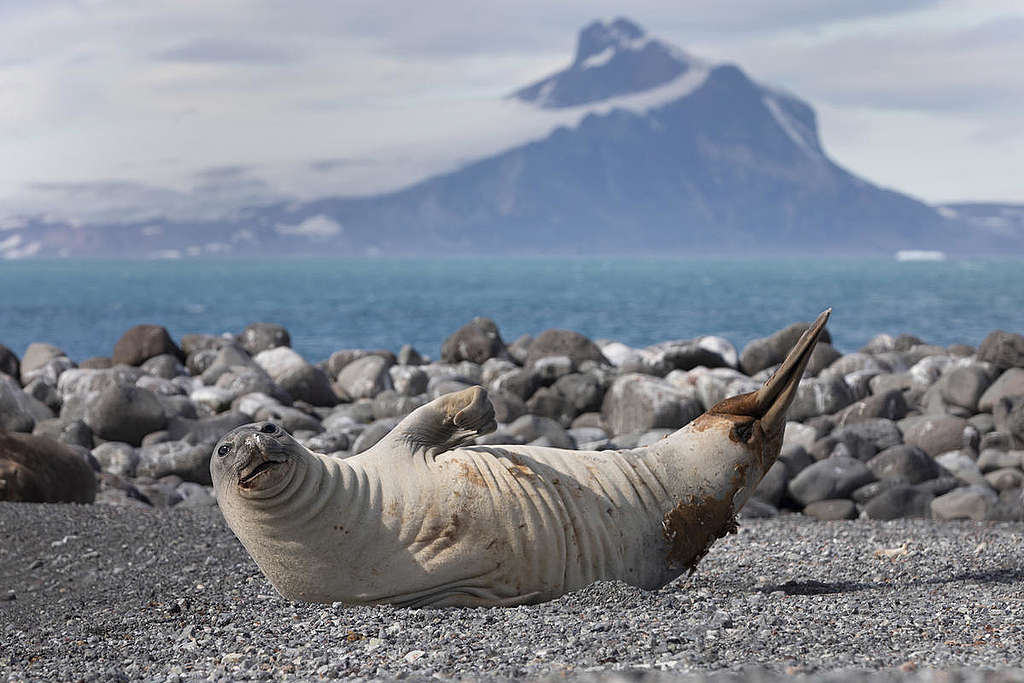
{"type": "Point", "coordinates": [154, 93]}
{"type": "Point", "coordinates": [314, 226]}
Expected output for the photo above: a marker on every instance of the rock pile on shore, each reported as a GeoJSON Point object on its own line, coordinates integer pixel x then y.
{"type": "Point", "coordinates": [899, 428]}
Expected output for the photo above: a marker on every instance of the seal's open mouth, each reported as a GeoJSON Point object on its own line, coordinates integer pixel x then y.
{"type": "Point", "coordinates": [246, 480]}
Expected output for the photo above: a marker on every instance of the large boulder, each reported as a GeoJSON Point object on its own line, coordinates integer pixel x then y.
{"type": "Point", "coordinates": [1010, 383]}
{"type": "Point", "coordinates": [969, 502]}
{"type": "Point", "coordinates": [476, 341]}
{"type": "Point", "coordinates": [585, 391]}
{"type": "Point", "coordinates": [142, 342]}
{"type": "Point", "coordinates": [120, 413]}
{"type": "Point", "coordinates": [909, 463]}
{"type": "Point", "coordinates": [964, 386]}
{"type": "Point", "coordinates": [1002, 349]}
{"type": "Point", "coordinates": [564, 343]}
{"type": "Point", "coordinates": [84, 381]}
{"type": "Point", "coordinates": [709, 352]}
{"type": "Point", "coordinates": [364, 377]}
{"type": "Point", "coordinates": [223, 360]}
{"type": "Point", "coordinates": [531, 428]}
{"type": "Point", "coordinates": [637, 403]}
{"type": "Point", "coordinates": [189, 461]}
{"type": "Point", "coordinates": [243, 379]}
{"type": "Point", "coordinates": [259, 337]}
{"type": "Point", "coordinates": [936, 434]}
{"type": "Point", "coordinates": [205, 429]}
{"type": "Point", "coordinates": [37, 469]}
{"type": "Point", "coordinates": [19, 411]}
{"type": "Point", "coordinates": [890, 404]}
{"type": "Point", "coordinates": [819, 396]}
{"type": "Point", "coordinates": [835, 477]}
{"type": "Point", "coordinates": [879, 432]}
{"type": "Point", "coordinates": [899, 501]}
{"type": "Point", "coordinates": [765, 352]}
{"type": "Point", "coordinates": [36, 356]}
{"type": "Point", "coordinates": [291, 372]}
{"type": "Point", "coordinates": [408, 380]}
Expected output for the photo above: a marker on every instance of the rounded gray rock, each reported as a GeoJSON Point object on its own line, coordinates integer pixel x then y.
{"type": "Point", "coordinates": [121, 413]}
{"type": "Point", "coordinates": [1003, 349]}
{"type": "Point", "coordinates": [258, 337]}
{"type": "Point", "coordinates": [476, 341]}
{"type": "Point", "coordinates": [902, 500]}
{"type": "Point", "coordinates": [364, 377]}
{"type": "Point", "coordinates": [637, 403]}
{"type": "Point", "coordinates": [835, 477]}
{"type": "Point", "coordinates": [936, 434]}
{"type": "Point", "coordinates": [969, 502]}
{"type": "Point", "coordinates": [142, 342]}
{"type": "Point", "coordinates": [907, 462]}
{"type": "Point", "coordinates": [564, 343]}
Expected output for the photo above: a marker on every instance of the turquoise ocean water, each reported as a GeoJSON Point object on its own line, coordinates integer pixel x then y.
{"type": "Point", "coordinates": [84, 306]}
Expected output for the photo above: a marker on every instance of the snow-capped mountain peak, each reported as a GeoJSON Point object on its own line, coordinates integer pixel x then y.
{"type": "Point", "coordinates": [611, 60]}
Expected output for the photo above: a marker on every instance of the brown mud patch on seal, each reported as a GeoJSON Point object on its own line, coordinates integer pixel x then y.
{"type": "Point", "coordinates": [697, 522]}
{"type": "Point", "coordinates": [692, 526]}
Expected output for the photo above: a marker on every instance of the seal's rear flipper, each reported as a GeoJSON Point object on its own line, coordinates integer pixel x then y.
{"type": "Point", "coordinates": [448, 422]}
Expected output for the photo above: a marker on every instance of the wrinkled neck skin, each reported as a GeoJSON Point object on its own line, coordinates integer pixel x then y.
{"type": "Point", "coordinates": [287, 531]}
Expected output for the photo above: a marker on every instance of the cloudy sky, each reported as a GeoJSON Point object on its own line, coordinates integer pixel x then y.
{"type": "Point", "coordinates": [112, 104]}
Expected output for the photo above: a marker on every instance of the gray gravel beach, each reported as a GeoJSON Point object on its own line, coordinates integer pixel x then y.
{"type": "Point", "coordinates": [101, 592]}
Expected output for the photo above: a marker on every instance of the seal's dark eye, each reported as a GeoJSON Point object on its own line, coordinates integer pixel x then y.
{"type": "Point", "coordinates": [269, 428]}
{"type": "Point", "coordinates": [224, 450]}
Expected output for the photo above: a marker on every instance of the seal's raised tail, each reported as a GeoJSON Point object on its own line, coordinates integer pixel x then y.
{"type": "Point", "coordinates": [770, 403]}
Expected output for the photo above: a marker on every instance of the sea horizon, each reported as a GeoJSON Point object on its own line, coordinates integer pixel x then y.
{"type": "Point", "coordinates": [328, 303]}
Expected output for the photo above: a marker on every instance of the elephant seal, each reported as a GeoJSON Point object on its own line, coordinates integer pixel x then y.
{"type": "Point", "coordinates": [38, 469]}
{"type": "Point", "coordinates": [421, 519]}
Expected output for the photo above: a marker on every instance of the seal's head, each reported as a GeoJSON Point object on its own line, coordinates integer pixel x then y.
{"type": "Point", "coordinates": [254, 461]}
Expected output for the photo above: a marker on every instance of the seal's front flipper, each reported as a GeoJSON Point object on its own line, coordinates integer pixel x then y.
{"type": "Point", "coordinates": [448, 421]}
